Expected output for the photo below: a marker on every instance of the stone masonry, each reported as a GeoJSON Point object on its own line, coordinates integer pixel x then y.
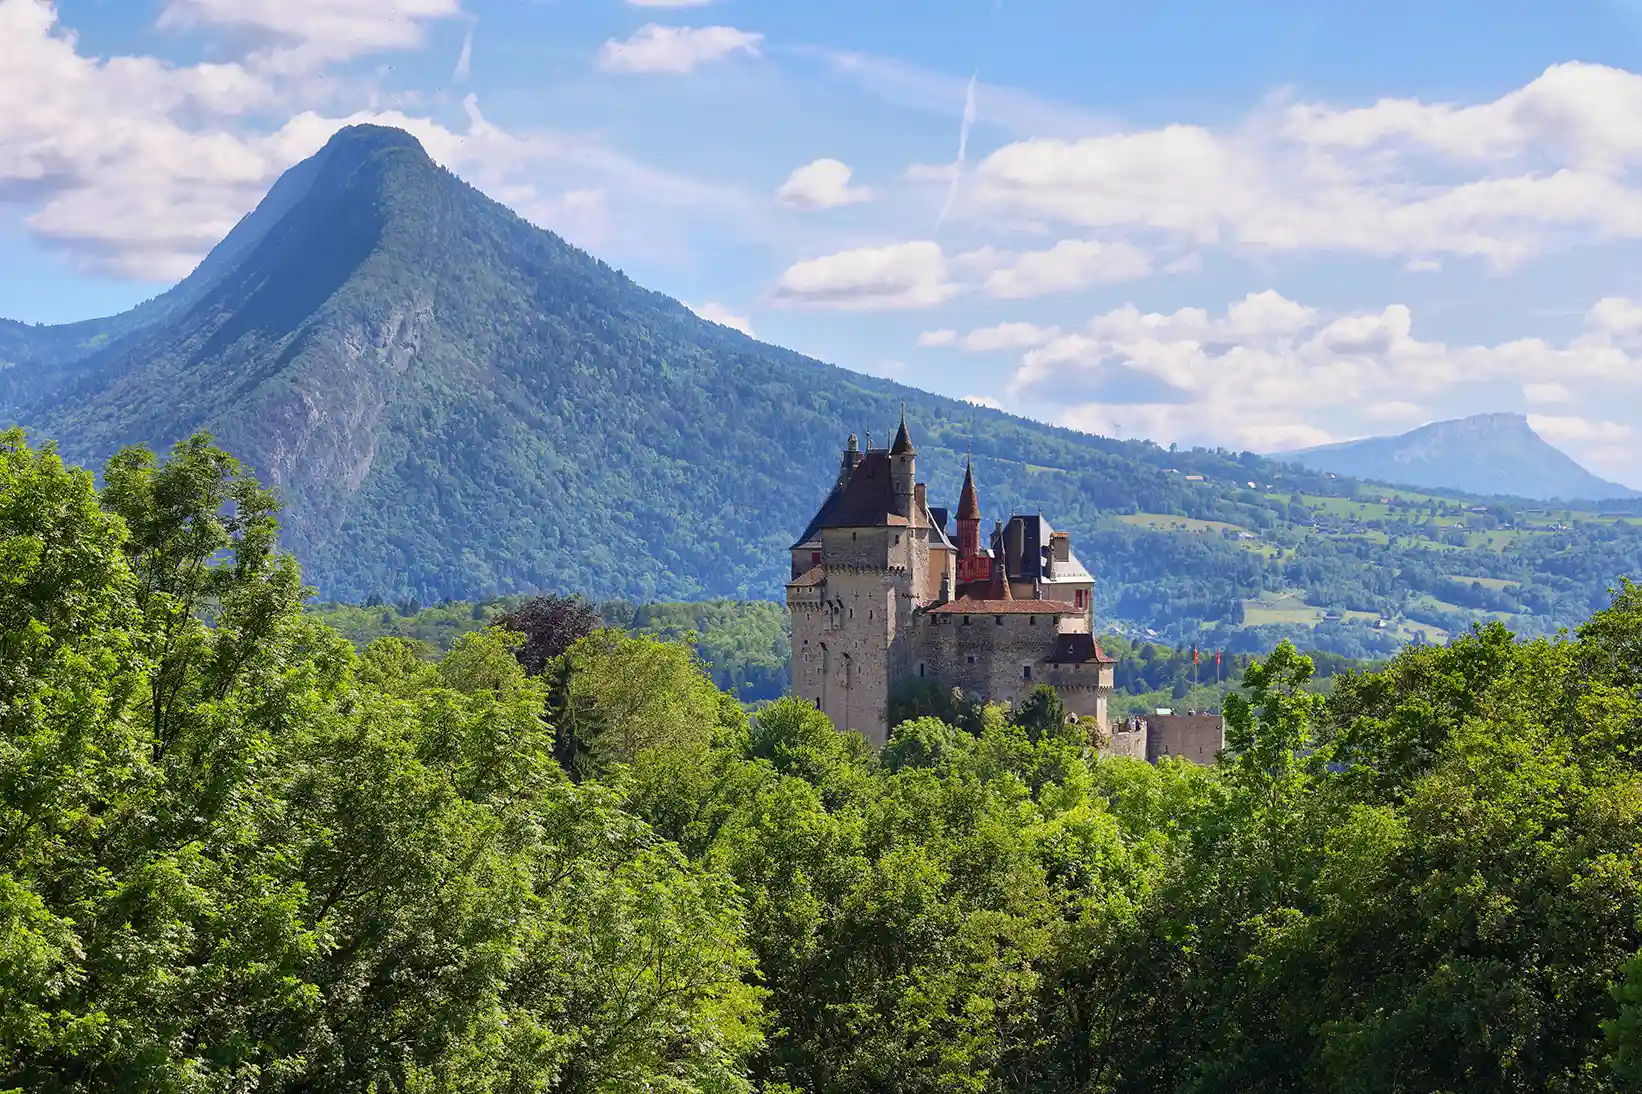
{"type": "Point", "coordinates": [883, 592]}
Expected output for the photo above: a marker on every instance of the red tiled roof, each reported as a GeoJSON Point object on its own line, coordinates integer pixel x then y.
{"type": "Point", "coordinates": [967, 606]}
{"type": "Point", "coordinates": [815, 575]}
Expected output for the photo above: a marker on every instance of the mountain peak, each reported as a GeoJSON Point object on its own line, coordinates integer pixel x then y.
{"type": "Point", "coordinates": [368, 137]}
{"type": "Point", "coordinates": [1496, 453]}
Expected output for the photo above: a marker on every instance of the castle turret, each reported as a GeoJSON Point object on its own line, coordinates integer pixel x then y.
{"type": "Point", "coordinates": [852, 456]}
{"type": "Point", "coordinates": [901, 471]}
{"type": "Point", "coordinates": [971, 566]}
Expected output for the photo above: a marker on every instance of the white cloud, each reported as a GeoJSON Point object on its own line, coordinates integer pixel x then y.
{"type": "Point", "coordinates": [983, 400]}
{"type": "Point", "coordinates": [902, 275]}
{"type": "Point", "coordinates": [715, 312]}
{"type": "Point", "coordinates": [1548, 392]}
{"type": "Point", "coordinates": [823, 184]}
{"type": "Point", "coordinates": [1575, 430]}
{"type": "Point", "coordinates": [135, 168]}
{"type": "Point", "coordinates": [676, 50]}
{"type": "Point", "coordinates": [1004, 336]}
{"type": "Point", "coordinates": [1069, 265]}
{"type": "Point", "coordinates": [1615, 316]}
{"type": "Point", "coordinates": [316, 30]}
{"type": "Point", "coordinates": [1547, 166]}
{"type": "Point", "coordinates": [1270, 373]}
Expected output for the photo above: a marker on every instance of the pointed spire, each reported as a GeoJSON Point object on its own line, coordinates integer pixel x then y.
{"type": "Point", "coordinates": [969, 506]}
{"type": "Point", "coordinates": [903, 441]}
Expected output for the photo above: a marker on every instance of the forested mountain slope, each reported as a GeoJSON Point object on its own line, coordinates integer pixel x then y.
{"type": "Point", "coordinates": [456, 404]}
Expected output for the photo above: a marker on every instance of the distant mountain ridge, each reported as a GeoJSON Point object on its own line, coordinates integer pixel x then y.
{"type": "Point", "coordinates": [1488, 454]}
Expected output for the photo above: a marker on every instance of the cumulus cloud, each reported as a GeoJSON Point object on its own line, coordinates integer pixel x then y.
{"type": "Point", "coordinates": [1065, 267]}
{"type": "Point", "coordinates": [902, 275]}
{"type": "Point", "coordinates": [1069, 265]}
{"type": "Point", "coordinates": [675, 50]}
{"type": "Point", "coordinates": [316, 30]}
{"type": "Point", "coordinates": [1569, 429]}
{"type": "Point", "coordinates": [1549, 165]}
{"type": "Point", "coordinates": [989, 339]}
{"type": "Point", "coordinates": [715, 312]}
{"type": "Point", "coordinates": [823, 184]}
{"type": "Point", "coordinates": [135, 168]}
{"type": "Point", "coordinates": [1548, 392]}
{"type": "Point", "coordinates": [1270, 373]}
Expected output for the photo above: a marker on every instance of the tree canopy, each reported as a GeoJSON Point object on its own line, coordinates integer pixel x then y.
{"type": "Point", "coordinates": [237, 854]}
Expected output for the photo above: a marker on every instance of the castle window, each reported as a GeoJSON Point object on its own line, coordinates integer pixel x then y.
{"type": "Point", "coordinates": [1031, 621]}
{"type": "Point", "coordinates": [852, 537]}
{"type": "Point", "coordinates": [815, 556]}
{"type": "Point", "coordinates": [897, 539]}
{"type": "Point", "coordinates": [970, 659]}
{"type": "Point", "coordinates": [966, 620]}
{"type": "Point", "coordinates": [1026, 672]}
{"type": "Point", "coordinates": [920, 668]}
{"type": "Point", "coordinates": [998, 619]}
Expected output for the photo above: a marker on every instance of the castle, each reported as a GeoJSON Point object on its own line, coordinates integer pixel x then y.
{"type": "Point", "coordinates": [882, 595]}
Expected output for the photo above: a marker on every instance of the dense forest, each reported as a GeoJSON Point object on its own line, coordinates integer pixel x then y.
{"type": "Point", "coordinates": [237, 854]}
{"type": "Point", "coordinates": [746, 645]}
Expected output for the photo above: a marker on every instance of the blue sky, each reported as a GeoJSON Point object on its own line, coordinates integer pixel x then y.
{"type": "Point", "coordinates": [1255, 225]}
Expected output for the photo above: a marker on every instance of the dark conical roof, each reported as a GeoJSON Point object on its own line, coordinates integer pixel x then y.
{"type": "Point", "coordinates": [969, 506]}
{"type": "Point", "coordinates": [903, 443]}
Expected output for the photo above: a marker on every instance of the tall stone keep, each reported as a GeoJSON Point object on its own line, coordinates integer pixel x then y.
{"type": "Point", "coordinates": [881, 595]}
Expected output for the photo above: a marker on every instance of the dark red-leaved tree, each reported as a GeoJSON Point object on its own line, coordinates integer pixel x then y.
{"type": "Point", "coordinates": [551, 625]}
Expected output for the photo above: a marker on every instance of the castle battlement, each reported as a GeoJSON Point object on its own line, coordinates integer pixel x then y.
{"type": "Point", "coordinates": [884, 593]}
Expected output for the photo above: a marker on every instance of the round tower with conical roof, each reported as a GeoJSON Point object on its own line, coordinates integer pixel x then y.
{"type": "Point", "coordinates": [902, 472]}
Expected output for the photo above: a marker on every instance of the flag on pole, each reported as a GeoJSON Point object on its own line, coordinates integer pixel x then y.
{"type": "Point", "coordinates": [1194, 655]}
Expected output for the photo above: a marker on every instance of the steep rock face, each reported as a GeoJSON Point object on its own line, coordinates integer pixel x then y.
{"type": "Point", "coordinates": [1482, 454]}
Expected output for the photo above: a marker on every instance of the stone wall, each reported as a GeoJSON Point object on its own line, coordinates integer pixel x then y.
{"type": "Point", "coordinates": [984, 656]}
{"type": "Point", "coordinates": [1195, 737]}
{"type": "Point", "coordinates": [1128, 739]}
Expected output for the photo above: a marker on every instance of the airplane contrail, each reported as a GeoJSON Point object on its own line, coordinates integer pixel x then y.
{"type": "Point", "coordinates": [963, 148]}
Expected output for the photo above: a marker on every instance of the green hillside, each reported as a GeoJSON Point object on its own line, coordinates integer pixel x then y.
{"type": "Point", "coordinates": [458, 405]}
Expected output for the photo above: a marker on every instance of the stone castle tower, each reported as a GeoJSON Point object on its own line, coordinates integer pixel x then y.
{"type": "Point", "coordinates": [881, 595]}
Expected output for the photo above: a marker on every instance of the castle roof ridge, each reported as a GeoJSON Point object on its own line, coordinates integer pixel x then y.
{"type": "Point", "coordinates": [991, 606]}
